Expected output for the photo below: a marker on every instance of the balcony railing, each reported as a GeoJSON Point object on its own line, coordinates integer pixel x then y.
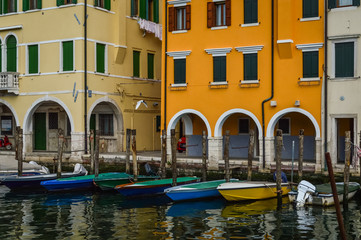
{"type": "Point", "coordinates": [9, 81]}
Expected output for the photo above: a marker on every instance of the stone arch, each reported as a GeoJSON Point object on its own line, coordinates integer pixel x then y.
{"type": "Point", "coordinates": [2, 101]}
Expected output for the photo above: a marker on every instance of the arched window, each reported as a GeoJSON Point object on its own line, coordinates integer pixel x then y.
{"type": "Point", "coordinates": [11, 54]}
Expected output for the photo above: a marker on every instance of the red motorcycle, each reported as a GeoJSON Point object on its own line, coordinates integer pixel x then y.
{"type": "Point", "coordinates": [181, 145]}
{"type": "Point", "coordinates": [4, 143]}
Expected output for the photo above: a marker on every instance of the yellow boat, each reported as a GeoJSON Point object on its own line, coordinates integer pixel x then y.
{"type": "Point", "coordinates": [251, 190]}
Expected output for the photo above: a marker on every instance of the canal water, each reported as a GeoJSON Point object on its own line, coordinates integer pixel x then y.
{"type": "Point", "coordinates": [110, 216]}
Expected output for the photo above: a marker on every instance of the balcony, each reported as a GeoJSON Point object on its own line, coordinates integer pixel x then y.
{"type": "Point", "coordinates": [9, 82]}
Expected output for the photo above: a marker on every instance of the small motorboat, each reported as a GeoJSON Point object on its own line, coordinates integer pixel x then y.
{"type": "Point", "coordinates": [32, 183]}
{"type": "Point", "coordinates": [309, 194]}
{"type": "Point", "coordinates": [152, 187]}
{"type": "Point", "coordinates": [251, 190]}
{"type": "Point", "coordinates": [192, 191]}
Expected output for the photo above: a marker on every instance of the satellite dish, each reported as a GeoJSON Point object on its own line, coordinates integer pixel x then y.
{"type": "Point", "coordinates": [139, 103]}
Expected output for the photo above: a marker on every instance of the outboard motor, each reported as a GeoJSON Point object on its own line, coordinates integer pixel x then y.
{"type": "Point", "coordinates": [78, 168]}
{"type": "Point", "coordinates": [304, 191]}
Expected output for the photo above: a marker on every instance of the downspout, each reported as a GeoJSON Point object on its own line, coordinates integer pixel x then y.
{"type": "Point", "coordinates": [85, 79]}
{"type": "Point", "coordinates": [325, 80]}
{"type": "Point", "coordinates": [165, 64]}
{"type": "Point", "coordinates": [272, 87]}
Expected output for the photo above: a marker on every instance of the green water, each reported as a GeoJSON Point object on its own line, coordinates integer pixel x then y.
{"type": "Point", "coordinates": [110, 216]}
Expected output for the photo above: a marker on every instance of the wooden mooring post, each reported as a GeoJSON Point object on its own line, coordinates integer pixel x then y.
{"type": "Point", "coordinates": [226, 157]}
{"type": "Point", "coordinates": [20, 151]}
{"type": "Point", "coordinates": [174, 157]}
{"type": "Point", "coordinates": [96, 153]}
{"type": "Point", "coordinates": [300, 154]}
{"type": "Point", "coordinates": [61, 143]}
{"type": "Point", "coordinates": [346, 174]}
{"type": "Point", "coordinates": [279, 146]}
{"type": "Point", "coordinates": [250, 154]}
{"type": "Point", "coordinates": [127, 150]}
{"type": "Point", "coordinates": [91, 141]}
{"type": "Point", "coordinates": [134, 150]}
{"type": "Point", "coordinates": [164, 154]}
{"type": "Point", "coordinates": [204, 156]}
{"type": "Point", "coordinates": [335, 197]}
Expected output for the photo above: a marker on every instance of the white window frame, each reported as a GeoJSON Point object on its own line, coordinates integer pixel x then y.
{"type": "Point", "coordinates": [179, 55]}
{"type": "Point", "coordinates": [343, 39]}
{"type": "Point", "coordinates": [250, 50]}
{"type": "Point", "coordinates": [248, 120]}
{"type": "Point", "coordinates": [310, 47]}
{"type": "Point", "coordinates": [218, 52]}
{"type": "Point", "coordinates": [27, 59]}
{"type": "Point", "coordinates": [61, 56]}
{"type": "Point", "coordinates": [105, 59]}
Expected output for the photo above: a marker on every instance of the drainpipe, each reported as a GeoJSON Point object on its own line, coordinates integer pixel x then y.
{"type": "Point", "coordinates": [85, 79]}
{"type": "Point", "coordinates": [165, 64]}
{"type": "Point", "coordinates": [272, 87]}
{"type": "Point", "coordinates": [325, 80]}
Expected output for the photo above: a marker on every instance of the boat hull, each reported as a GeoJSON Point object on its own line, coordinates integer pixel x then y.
{"type": "Point", "coordinates": [109, 184]}
{"type": "Point", "coordinates": [251, 190]}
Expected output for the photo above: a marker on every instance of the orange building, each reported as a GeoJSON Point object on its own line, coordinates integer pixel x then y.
{"type": "Point", "coordinates": [243, 65]}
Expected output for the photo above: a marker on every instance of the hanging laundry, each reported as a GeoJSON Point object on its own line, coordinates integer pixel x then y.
{"type": "Point", "coordinates": [151, 27]}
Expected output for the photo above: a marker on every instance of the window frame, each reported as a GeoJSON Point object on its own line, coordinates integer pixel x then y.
{"type": "Point", "coordinates": [289, 125]}
{"type": "Point", "coordinates": [246, 64]}
{"type": "Point", "coordinates": [150, 65]}
{"type": "Point", "coordinates": [5, 9]}
{"type": "Point", "coordinates": [104, 4]}
{"type": "Point", "coordinates": [173, 18]}
{"type": "Point", "coordinates": [62, 56]}
{"type": "Point", "coordinates": [239, 124]}
{"type": "Point", "coordinates": [177, 56]}
{"type": "Point", "coordinates": [6, 56]}
{"type": "Point", "coordinates": [28, 62]}
{"type": "Point", "coordinates": [314, 15]}
{"type": "Point", "coordinates": [219, 52]}
{"type": "Point", "coordinates": [305, 73]}
{"type": "Point", "coordinates": [251, 21]}
{"type": "Point", "coordinates": [65, 2]}
{"type": "Point", "coordinates": [212, 15]}
{"type": "Point", "coordinates": [109, 117]}
{"type": "Point", "coordinates": [11, 131]}
{"type": "Point", "coordinates": [27, 5]}
{"type": "Point", "coordinates": [334, 4]}
{"type": "Point", "coordinates": [312, 47]}
{"type": "Point", "coordinates": [136, 63]}
{"type": "Point", "coordinates": [334, 41]}
{"type": "Point", "coordinates": [97, 59]}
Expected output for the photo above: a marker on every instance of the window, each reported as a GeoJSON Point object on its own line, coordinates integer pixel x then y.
{"type": "Point", "coordinates": [157, 125]}
{"type": "Point", "coordinates": [219, 69]}
{"type": "Point", "coordinates": [250, 66]}
{"type": "Point", "coordinates": [342, 3]}
{"type": "Point", "coordinates": [179, 71]}
{"type": "Point", "coordinates": [68, 56]}
{"type": "Point", "coordinates": [218, 14]}
{"type": "Point", "coordinates": [11, 54]}
{"type": "Point", "coordinates": [31, 4]}
{"type": "Point", "coordinates": [148, 9]}
{"type": "Point", "coordinates": [68, 127]}
{"type": "Point", "coordinates": [250, 11]}
{"type": "Point", "coordinates": [136, 63]}
{"type": "Point", "coordinates": [65, 2]}
{"type": "Point", "coordinates": [310, 64]}
{"type": "Point", "coordinates": [243, 126]}
{"type": "Point", "coordinates": [8, 6]}
{"type": "Point", "coordinates": [102, 3]}
{"type": "Point", "coordinates": [106, 124]}
{"type": "Point", "coordinates": [6, 125]}
{"type": "Point", "coordinates": [53, 120]}
{"type": "Point", "coordinates": [33, 59]}
{"type": "Point", "coordinates": [134, 11]}
{"type": "Point", "coordinates": [1, 63]}
{"type": "Point", "coordinates": [150, 65]}
{"type": "Point", "coordinates": [179, 18]}
{"type": "Point", "coordinates": [309, 8]}
{"type": "Point", "coordinates": [344, 59]}
{"type": "Point", "coordinates": [284, 125]}
{"type": "Point", "coordinates": [100, 58]}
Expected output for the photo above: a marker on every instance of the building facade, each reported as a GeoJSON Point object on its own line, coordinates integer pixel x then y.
{"type": "Point", "coordinates": [241, 66]}
{"type": "Point", "coordinates": [51, 79]}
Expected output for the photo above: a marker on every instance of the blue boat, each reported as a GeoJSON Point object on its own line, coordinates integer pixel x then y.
{"type": "Point", "coordinates": [195, 190]}
{"type": "Point", "coordinates": [151, 187]}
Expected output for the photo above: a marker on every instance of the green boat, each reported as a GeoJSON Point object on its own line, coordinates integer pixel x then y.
{"type": "Point", "coordinates": [108, 182]}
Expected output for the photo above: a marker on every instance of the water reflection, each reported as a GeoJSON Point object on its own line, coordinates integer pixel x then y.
{"type": "Point", "coordinates": [110, 216]}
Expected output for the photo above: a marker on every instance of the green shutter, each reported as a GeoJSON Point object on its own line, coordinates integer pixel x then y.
{"type": "Point", "coordinates": [179, 71]}
{"type": "Point", "coordinates": [107, 4]}
{"type": "Point", "coordinates": [100, 58]}
{"type": "Point", "coordinates": [68, 56]}
{"type": "Point", "coordinates": [219, 69]}
{"type": "Point", "coordinates": [39, 6]}
{"type": "Point", "coordinates": [356, 3]}
{"type": "Point", "coordinates": [33, 57]}
{"type": "Point", "coordinates": [136, 63]}
{"type": "Point", "coordinates": [74, 1]}
{"type": "Point", "coordinates": [5, 7]}
{"type": "Point", "coordinates": [59, 2]}
{"type": "Point", "coordinates": [143, 9]}
{"type": "Point", "coordinates": [331, 4]}
{"type": "Point", "coordinates": [96, 3]}
{"type": "Point", "coordinates": [310, 8]}
{"type": "Point", "coordinates": [250, 66]}
{"type": "Point", "coordinates": [310, 64]}
{"type": "Point", "coordinates": [1, 7]}
{"type": "Point", "coordinates": [25, 5]}
{"type": "Point", "coordinates": [150, 66]}
{"type": "Point", "coordinates": [344, 59]}
{"type": "Point", "coordinates": [156, 11]}
{"type": "Point", "coordinates": [250, 11]}
{"type": "Point", "coordinates": [11, 54]}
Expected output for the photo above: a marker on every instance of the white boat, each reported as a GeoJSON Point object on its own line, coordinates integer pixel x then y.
{"type": "Point", "coordinates": [309, 194]}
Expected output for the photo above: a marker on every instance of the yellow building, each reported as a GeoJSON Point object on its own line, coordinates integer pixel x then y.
{"type": "Point", "coordinates": [244, 64]}
{"type": "Point", "coordinates": [50, 79]}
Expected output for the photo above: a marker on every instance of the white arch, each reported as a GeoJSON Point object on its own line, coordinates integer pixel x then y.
{"type": "Point", "coordinates": [172, 123]}
{"type": "Point", "coordinates": [224, 117]}
{"type": "Point", "coordinates": [12, 111]}
{"type": "Point", "coordinates": [114, 106]}
{"type": "Point", "coordinates": [27, 125]}
{"type": "Point", "coordinates": [277, 116]}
